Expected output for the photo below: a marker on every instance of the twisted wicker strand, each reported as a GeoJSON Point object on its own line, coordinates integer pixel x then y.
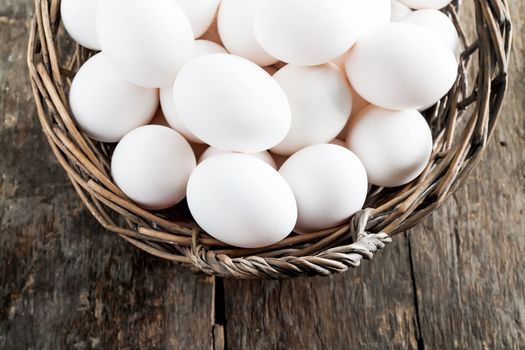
{"type": "Point", "coordinates": [325, 263]}
{"type": "Point", "coordinates": [336, 260]}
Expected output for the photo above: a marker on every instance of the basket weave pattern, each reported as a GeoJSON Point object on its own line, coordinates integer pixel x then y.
{"type": "Point", "coordinates": [462, 123]}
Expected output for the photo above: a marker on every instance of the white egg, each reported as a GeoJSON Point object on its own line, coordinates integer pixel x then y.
{"type": "Point", "coordinates": [205, 47]}
{"type": "Point", "coordinates": [264, 156]}
{"type": "Point", "coordinates": [308, 32]}
{"type": "Point", "coordinates": [232, 104]}
{"type": "Point", "coordinates": [235, 22]}
{"type": "Point", "coordinates": [399, 10]}
{"type": "Point", "coordinates": [422, 70]}
{"type": "Point", "coordinates": [201, 14]}
{"type": "Point", "coordinates": [375, 14]}
{"type": "Point", "coordinates": [79, 18]}
{"type": "Point", "coordinates": [438, 23]}
{"type": "Point", "coordinates": [395, 147]}
{"type": "Point", "coordinates": [201, 48]}
{"type": "Point", "coordinates": [329, 183]}
{"type": "Point", "coordinates": [152, 165]}
{"type": "Point", "coordinates": [321, 103]}
{"type": "Point", "coordinates": [426, 4]}
{"type": "Point", "coordinates": [358, 104]}
{"type": "Point", "coordinates": [147, 42]}
{"type": "Point", "coordinates": [105, 106]}
{"type": "Point", "coordinates": [242, 201]}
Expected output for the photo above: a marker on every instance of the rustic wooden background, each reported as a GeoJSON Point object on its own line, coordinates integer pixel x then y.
{"type": "Point", "coordinates": [456, 281]}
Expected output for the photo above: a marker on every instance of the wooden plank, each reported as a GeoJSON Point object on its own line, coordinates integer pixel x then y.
{"type": "Point", "coordinates": [65, 283]}
{"type": "Point", "coordinates": [371, 307]}
{"type": "Point", "coordinates": [468, 260]}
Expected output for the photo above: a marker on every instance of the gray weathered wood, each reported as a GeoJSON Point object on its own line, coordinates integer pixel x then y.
{"type": "Point", "coordinates": [368, 307]}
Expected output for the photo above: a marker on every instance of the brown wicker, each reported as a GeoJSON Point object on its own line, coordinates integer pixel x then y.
{"type": "Point", "coordinates": [462, 124]}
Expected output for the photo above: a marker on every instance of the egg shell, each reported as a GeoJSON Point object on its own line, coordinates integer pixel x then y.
{"type": "Point", "coordinates": [231, 104]}
{"type": "Point", "coordinates": [358, 104]}
{"type": "Point", "coordinates": [264, 156]}
{"type": "Point", "coordinates": [235, 21]}
{"type": "Point", "coordinates": [399, 10]}
{"type": "Point", "coordinates": [394, 146]}
{"type": "Point", "coordinates": [147, 43]}
{"type": "Point", "coordinates": [438, 23]}
{"type": "Point", "coordinates": [401, 66]}
{"type": "Point", "coordinates": [241, 200]}
{"type": "Point", "coordinates": [329, 183]}
{"type": "Point", "coordinates": [200, 13]}
{"type": "Point", "coordinates": [152, 165]}
{"type": "Point", "coordinates": [201, 48]}
{"type": "Point", "coordinates": [321, 103]}
{"type": "Point", "coordinates": [426, 4]}
{"type": "Point", "coordinates": [79, 19]}
{"type": "Point", "coordinates": [105, 106]}
{"type": "Point", "coordinates": [308, 32]}
{"type": "Point", "coordinates": [375, 14]}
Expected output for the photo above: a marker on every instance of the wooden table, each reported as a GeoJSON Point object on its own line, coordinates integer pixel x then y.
{"type": "Point", "coordinates": [455, 281]}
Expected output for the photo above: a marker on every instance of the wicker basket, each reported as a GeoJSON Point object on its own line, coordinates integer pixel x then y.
{"type": "Point", "coordinates": [462, 123]}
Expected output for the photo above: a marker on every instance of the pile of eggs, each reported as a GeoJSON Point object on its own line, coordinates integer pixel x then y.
{"type": "Point", "coordinates": [292, 151]}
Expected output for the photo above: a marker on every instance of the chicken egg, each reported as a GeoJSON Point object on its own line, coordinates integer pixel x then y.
{"type": "Point", "coordinates": [329, 183]}
{"type": "Point", "coordinates": [235, 22]}
{"type": "Point", "coordinates": [201, 48]}
{"type": "Point", "coordinates": [438, 23]}
{"type": "Point", "coordinates": [308, 32]}
{"type": "Point", "coordinates": [147, 42]}
{"type": "Point", "coordinates": [231, 104]}
{"type": "Point", "coordinates": [394, 146]}
{"type": "Point", "coordinates": [200, 13]}
{"type": "Point", "coordinates": [105, 106]}
{"type": "Point", "coordinates": [422, 70]}
{"type": "Point", "coordinates": [399, 10]}
{"type": "Point", "coordinates": [79, 18]}
{"type": "Point", "coordinates": [264, 156]}
{"type": "Point", "coordinates": [375, 14]}
{"type": "Point", "coordinates": [426, 4]}
{"type": "Point", "coordinates": [321, 103]}
{"type": "Point", "coordinates": [241, 200]}
{"type": "Point", "coordinates": [152, 165]}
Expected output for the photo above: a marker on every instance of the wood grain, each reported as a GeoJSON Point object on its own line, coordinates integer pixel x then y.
{"type": "Point", "coordinates": [456, 281]}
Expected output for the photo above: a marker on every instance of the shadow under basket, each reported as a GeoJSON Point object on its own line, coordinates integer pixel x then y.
{"type": "Point", "coordinates": [462, 123]}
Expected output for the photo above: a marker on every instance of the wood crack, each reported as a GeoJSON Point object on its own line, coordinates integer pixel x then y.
{"type": "Point", "coordinates": [417, 320]}
{"type": "Point", "coordinates": [218, 315]}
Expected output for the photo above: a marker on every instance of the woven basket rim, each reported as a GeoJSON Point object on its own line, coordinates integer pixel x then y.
{"type": "Point", "coordinates": [462, 123]}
